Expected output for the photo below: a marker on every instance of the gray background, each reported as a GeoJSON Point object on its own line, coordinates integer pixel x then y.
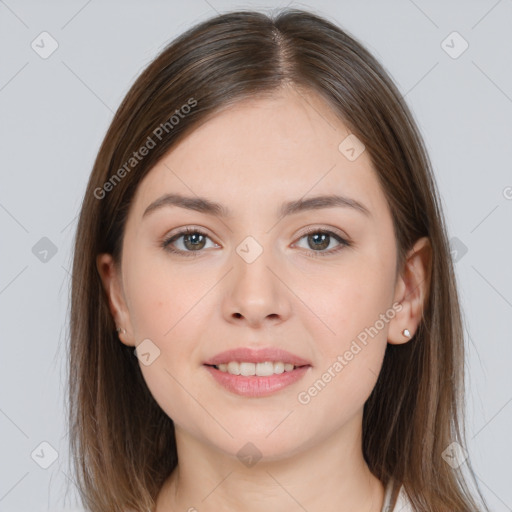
{"type": "Point", "coordinates": [55, 111]}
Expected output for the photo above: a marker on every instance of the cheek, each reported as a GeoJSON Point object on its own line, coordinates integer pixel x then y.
{"type": "Point", "coordinates": [350, 359]}
{"type": "Point", "coordinates": [357, 311]}
{"type": "Point", "coordinates": [354, 301]}
{"type": "Point", "coordinates": [160, 297]}
{"type": "Point", "coordinates": [166, 307]}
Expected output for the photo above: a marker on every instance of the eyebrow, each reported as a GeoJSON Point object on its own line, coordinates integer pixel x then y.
{"type": "Point", "coordinates": [206, 206]}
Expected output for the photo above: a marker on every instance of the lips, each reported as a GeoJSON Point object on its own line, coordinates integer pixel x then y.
{"type": "Point", "coordinates": [256, 386]}
{"type": "Point", "coordinates": [249, 355]}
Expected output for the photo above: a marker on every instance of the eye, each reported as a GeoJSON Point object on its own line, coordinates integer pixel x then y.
{"type": "Point", "coordinates": [320, 239]}
{"type": "Point", "coordinates": [194, 241]}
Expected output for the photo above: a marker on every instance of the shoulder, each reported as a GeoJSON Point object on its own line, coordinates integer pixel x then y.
{"type": "Point", "coordinates": [402, 502]}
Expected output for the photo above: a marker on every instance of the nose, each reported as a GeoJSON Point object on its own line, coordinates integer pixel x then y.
{"type": "Point", "coordinates": [256, 292]}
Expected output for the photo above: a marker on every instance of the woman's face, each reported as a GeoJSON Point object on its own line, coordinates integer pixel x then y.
{"type": "Point", "coordinates": [257, 279]}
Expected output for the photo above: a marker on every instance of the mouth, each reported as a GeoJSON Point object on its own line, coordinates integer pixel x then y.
{"type": "Point", "coordinates": [245, 356]}
{"type": "Point", "coordinates": [256, 380]}
{"type": "Point", "coordinates": [256, 373]}
{"type": "Point", "coordinates": [249, 369]}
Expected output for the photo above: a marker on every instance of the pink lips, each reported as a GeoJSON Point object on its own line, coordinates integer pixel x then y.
{"type": "Point", "coordinates": [249, 355]}
{"type": "Point", "coordinates": [255, 386]}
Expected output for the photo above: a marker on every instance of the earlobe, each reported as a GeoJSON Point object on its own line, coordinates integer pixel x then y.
{"type": "Point", "coordinates": [110, 279]}
{"type": "Point", "coordinates": [411, 291]}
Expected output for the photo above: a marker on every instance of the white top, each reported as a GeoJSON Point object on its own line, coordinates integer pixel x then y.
{"type": "Point", "coordinates": [402, 503]}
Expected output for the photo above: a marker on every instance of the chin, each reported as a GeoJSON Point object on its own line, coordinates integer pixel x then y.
{"type": "Point", "coordinates": [253, 446]}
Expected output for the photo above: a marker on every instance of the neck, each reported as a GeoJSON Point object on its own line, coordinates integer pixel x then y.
{"type": "Point", "coordinates": [330, 476]}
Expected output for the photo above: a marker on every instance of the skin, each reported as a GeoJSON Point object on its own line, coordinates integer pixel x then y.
{"type": "Point", "coordinates": [192, 308]}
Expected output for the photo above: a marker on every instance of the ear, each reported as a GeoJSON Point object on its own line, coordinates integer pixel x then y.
{"type": "Point", "coordinates": [411, 291]}
{"type": "Point", "coordinates": [111, 279]}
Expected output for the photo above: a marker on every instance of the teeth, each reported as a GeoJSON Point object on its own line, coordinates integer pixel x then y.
{"type": "Point", "coordinates": [247, 369]}
{"type": "Point", "coordinates": [233, 368]}
{"type": "Point", "coordinates": [260, 369]}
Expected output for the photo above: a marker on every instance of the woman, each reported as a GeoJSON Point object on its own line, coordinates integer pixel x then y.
{"type": "Point", "coordinates": [264, 312]}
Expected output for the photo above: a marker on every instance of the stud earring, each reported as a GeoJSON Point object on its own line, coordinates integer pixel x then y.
{"type": "Point", "coordinates": [406, 333]}
{"type": "Point", "coordinates": [119, 329]}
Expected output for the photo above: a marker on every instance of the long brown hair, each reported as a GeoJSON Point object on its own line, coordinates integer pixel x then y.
{"type": "Point", "coordinates": [122, 443]}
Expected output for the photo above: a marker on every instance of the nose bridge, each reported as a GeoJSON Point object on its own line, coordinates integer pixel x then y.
{"type": "Point", "coordinates": [255, 290]}
{"type": "Point", "coordinates": [252, 262]}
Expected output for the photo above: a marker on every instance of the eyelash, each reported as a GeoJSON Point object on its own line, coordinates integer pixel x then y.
{"type": "Point", "coordinates": [166, 244]}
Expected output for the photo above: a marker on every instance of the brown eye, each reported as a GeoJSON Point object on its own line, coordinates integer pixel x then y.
{"type": "Point", "coordinates": [193, 241]}
{"type": "Point", "coordinates": [318, 240]}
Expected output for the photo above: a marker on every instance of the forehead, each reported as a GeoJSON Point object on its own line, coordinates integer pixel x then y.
{"type": "Point", "coordinates": [274, 149]}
